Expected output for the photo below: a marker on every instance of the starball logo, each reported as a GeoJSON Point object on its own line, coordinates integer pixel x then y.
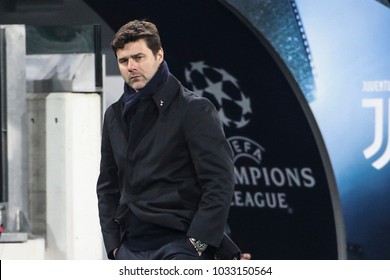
{"type": "Point", "coordinates": [258, 185]}
{"type": "Point", "coordinates": [381, 108]}
{"type": "Point", "coordinates": [223, 90]}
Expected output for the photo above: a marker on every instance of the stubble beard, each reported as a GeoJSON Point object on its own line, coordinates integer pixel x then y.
{"type": "Point", "coordinates": [133, 81]}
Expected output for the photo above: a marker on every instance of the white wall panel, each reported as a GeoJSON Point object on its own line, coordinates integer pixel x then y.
{"type": "Point", "coordinates": [73, 127]}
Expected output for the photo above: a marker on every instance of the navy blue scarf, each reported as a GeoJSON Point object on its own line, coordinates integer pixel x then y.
{"type": "Point", "coordinates": [131, 97]}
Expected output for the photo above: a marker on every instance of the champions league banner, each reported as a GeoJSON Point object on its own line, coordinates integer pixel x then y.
{"type": "Point", "coordinates": [285, 204]}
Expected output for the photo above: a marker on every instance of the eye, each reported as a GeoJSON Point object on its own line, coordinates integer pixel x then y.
{"type": "Point", "coordinates": [123, 61]}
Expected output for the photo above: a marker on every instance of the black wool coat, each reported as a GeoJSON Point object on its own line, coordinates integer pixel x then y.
{"type": "Point", "coordinates": [171, 165]}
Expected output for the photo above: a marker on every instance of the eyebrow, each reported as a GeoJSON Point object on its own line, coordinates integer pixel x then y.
{"type": "Point", "coordinates": [131, 56]}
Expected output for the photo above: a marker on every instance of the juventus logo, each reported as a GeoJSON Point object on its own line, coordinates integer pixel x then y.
{"type": "Point", "coordinates": [379, 110]}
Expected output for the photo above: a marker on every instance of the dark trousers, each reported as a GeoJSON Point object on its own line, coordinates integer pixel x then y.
{"type": "Point", "coordinates": [180, 249]}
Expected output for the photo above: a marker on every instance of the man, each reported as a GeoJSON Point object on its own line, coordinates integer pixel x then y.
{"type": "Point", "coordinates": [166, 177]}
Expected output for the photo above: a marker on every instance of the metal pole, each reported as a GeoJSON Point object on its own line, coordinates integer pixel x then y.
{"type": "Point", "coordinates": [3, 137]}
{"type": "Point", "coordinates": [98, 56]}
{"type": "Point", "coordinates": [3, 116]}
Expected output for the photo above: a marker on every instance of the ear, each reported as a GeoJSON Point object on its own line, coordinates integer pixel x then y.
{"type": "Point", "coordinates": [160, 55]}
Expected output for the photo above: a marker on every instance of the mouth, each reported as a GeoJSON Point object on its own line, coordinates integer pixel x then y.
{"type": "Point", "coordinates": [134, 77]}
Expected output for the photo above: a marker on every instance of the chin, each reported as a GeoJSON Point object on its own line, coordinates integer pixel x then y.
{"type": "Point", "coordinates": [137, 86]}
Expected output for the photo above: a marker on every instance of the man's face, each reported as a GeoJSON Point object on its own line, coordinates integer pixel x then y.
{"type": "Point", "coordinates": [137, 63]}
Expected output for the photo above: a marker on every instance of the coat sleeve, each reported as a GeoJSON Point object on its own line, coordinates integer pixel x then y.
{"type": "Point", "coordinates": [213, 161]}
{"type": "Point", "coordinates": [108, 191]}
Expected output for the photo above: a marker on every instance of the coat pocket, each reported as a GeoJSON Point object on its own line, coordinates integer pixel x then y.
{"type": "Point", "coordinates": [122, 214]}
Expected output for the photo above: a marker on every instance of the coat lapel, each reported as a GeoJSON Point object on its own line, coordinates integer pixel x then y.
{"type": "Point", "coordinates": [117, 107]}
{"type": "Point", "coordinates": [142, 122]}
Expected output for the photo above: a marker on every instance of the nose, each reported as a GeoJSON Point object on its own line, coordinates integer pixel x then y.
{"type": "Point", "coordinates": [131, 65]}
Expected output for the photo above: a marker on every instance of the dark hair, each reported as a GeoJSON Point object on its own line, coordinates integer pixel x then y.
{"type": "Point", "coordinates": [134, 31]}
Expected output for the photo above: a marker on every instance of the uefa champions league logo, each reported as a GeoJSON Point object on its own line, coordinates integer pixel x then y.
{"type": "Point", "coordinates": [267, 182]}
{"type": "Point", "coordinates": [373, 149]}
{"type": "Point", "coordinates": [223, 90]}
